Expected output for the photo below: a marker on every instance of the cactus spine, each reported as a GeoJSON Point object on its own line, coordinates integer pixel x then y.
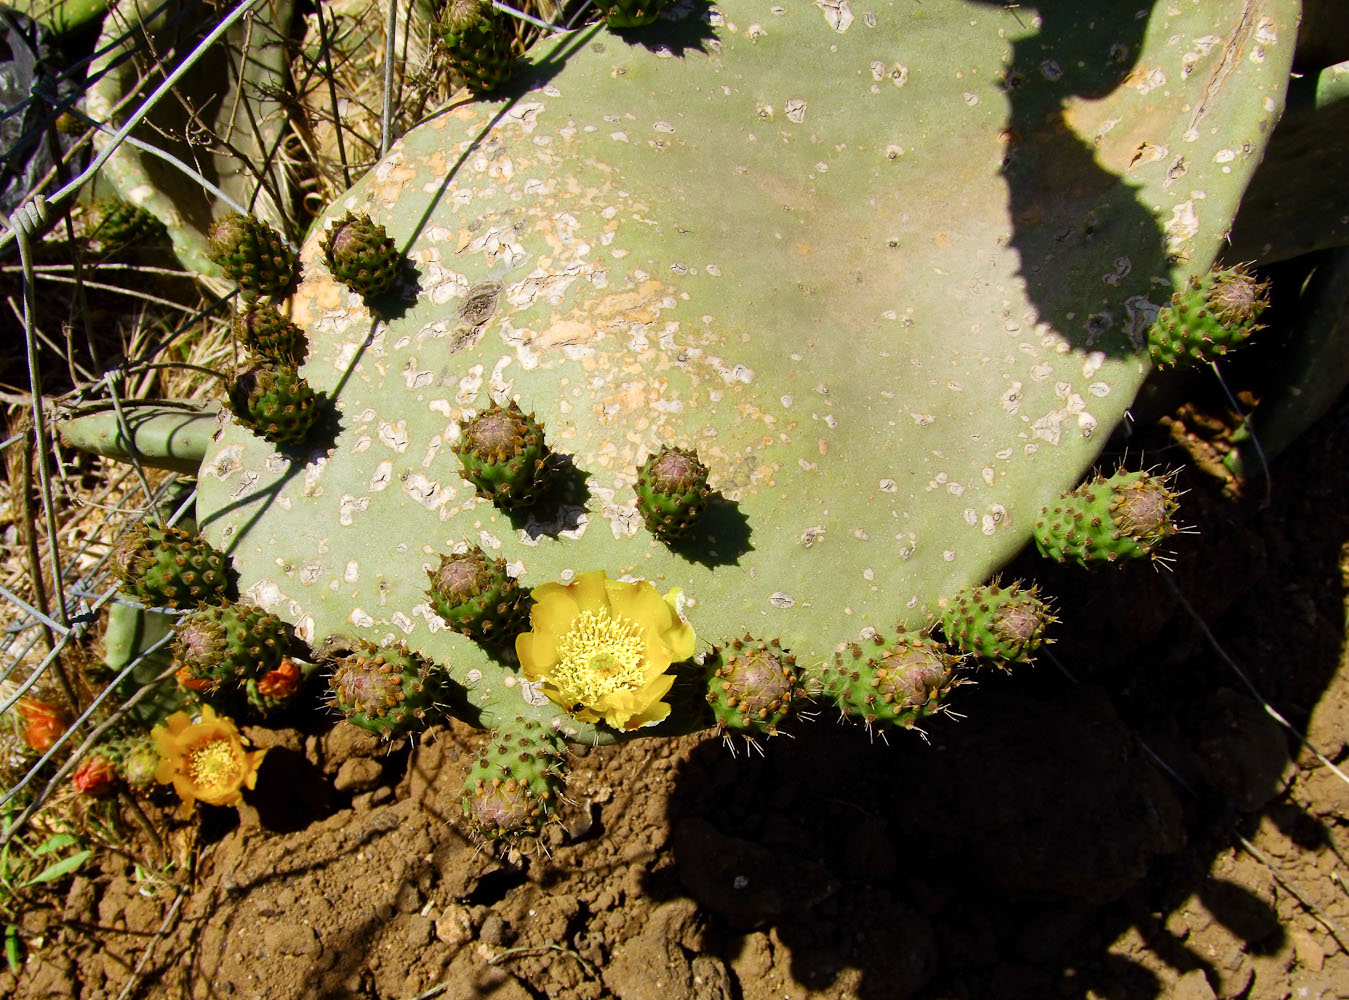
{"type": "Point", "coordinates": [752, 686]}
{"type": "Point", "coordinates": [514, 785]}
{"type": "Point", "coordinates": [254, 256]}
{"type": "Point", "coordinates": [171, 567]}
{"type": "Point", "coordinates": [1126, 516]}
{"type": "Point", "coordinates": [1208, 317]}
{"type": "Point", "coordinates": [476, 596]}
{"type": "Point", "coordinates": [386, 690]}
{"type": "Point", "coordinates": [361, 255]}
{"type": "Point", "coordinates": [504, 456]}
{"type": "Point", "coordinates": [672, 492]}
{"type": "Point", "coordinates": [1003, 624]}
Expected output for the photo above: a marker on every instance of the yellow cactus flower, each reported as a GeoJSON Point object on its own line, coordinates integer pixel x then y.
{"type": "Point", "coordinates": [204, 761]}
{"type": "Point", "coordinates": [602, 649]}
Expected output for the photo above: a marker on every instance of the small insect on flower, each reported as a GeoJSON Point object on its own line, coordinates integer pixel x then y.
{"type": "Point", "coordinates": [602, 649]}
{"type": "Point", "coordinates": [205, 760]}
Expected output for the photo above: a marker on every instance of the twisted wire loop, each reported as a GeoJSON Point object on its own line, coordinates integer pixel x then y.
{"type": "Point", "coordinates": [31, 219]}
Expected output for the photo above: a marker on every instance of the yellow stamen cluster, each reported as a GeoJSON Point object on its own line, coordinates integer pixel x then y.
{"type": "Point", "coordinates": [599, 655]}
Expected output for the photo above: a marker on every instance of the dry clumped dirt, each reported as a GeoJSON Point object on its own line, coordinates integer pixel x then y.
{"type": "Point", "coordinates": [1123, 820]}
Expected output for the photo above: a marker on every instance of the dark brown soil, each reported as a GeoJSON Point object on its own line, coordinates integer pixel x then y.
{"type": "Point", "coordinates": [1124, 820]}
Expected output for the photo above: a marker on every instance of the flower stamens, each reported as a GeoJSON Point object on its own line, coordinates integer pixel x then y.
{"type": "Point", "coordinates": [598, 655]}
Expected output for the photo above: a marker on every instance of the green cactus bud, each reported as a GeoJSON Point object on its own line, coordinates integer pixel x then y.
{"type": "Point", "coordinates": [361, 255]}
{"type": "Point", "coordinates": [275, 403]}
{"type": "Point", "coordinates": [478, 45]}
{"type": "Point", "coordinates": [476, 596]}
{"type": "Point", "coordinates": [170, 567]}
{"type": "Point", "coordinates": [254, 256]}
{"type": "Point", "coordinates": [672, 492]}
{"type": "Point", "coordinates": [386, 690]}
{"type": "Point", "coordinates": [122, 224]}
{"type": "Point", "coordinates": [1105, 520]}
{"type": "Point", "coordinates": [138, 762]}
{"type": "Point", "coordinates": [896, 680]}
{"type": "Point", "coordinates": [514, 785]}
{"type": "Point", "coordinates": [630, 13]}
{"type": "Point", "coordinates": [270, 336]}
{"type": "Point", "coordinates": [1208, 317]}
{"type": "Point", "coordinates": [504, 456]}
{"type": "Point", "coordinates": [751, 686]}
{"type": "Point", "coordinates": [229, 643]}
{"type": "Point", "coordinates": [1003, 624]}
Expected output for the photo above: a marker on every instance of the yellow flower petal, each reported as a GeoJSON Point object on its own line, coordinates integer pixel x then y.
{"type": "Point", "coordinates": [601, 649]}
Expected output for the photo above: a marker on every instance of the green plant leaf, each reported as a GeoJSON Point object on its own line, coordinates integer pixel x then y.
{"type": "Point", "coordinates": [54, 843]}
{"type": "Point", "coordinates": [61, 868]}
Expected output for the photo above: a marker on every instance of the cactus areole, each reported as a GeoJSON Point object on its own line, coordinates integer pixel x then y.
{"type": "Point", "coordinates": [888, 269]}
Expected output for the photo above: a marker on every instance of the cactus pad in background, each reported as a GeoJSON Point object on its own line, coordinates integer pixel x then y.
{"type": "Point", "coordinates": [170, 567]}
{"type": "Point", "coordinates": [889, 273]}
{"type": "Point", "coordinates": [1209, 316]}
{"type": "Point", "coordinates": [1125, 516]}
{"type": "Point", "coordinates": [274, 402]}
{"type": "Point", "coordinates": [360, 254]}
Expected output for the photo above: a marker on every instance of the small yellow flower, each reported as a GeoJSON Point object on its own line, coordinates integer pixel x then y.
{"type": "Point", "coordinates": [601, 648]}
{"type": "Point", "coordinates": [205, 760]}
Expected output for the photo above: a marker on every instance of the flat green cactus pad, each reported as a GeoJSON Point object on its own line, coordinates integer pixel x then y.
{"type": "Point", "coordinates": [887, 267]}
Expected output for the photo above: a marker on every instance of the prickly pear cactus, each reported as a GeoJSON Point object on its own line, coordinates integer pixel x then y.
{"type": "Point", "coordinates": [171, 567]}
{"type": "Point", "coordinates": [229, 643]}
{"type": "Point", "coordinates": [275, 402]}
{"type": "Point", "coordinates": [1001, 624]}
{"type": "Point", "coordinates": [1108, 519]}
{"type": "Point", "coordinates": [360, 254]}
{"type": "Point", "coordinates": [1208, 317]}
{"type": "Point", "coordinates": [388, 690]}
{"type": "Point", "coordinates": [270, 336]}
{"type": "Point", "coordinates": [888, 269]}
{"type": "Point", "coordinates": [513, 786]}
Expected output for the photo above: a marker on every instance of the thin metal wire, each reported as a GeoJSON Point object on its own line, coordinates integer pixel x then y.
{"type": "Point", "coordinates": [39, 615]}
{"type": "Point", "coordinates": [23, 224]}
{"type": "Point", "coordinates": [552, 29]}
{"type": "Point", "coordinates": [390, 47]}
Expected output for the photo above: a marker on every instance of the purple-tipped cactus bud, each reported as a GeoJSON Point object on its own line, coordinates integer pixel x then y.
{"type": "Point", "coordinates": [752, 686]}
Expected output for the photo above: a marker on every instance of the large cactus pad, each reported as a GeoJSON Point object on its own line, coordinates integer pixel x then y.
{"type": "Point", "coordinates": [888, 268]}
